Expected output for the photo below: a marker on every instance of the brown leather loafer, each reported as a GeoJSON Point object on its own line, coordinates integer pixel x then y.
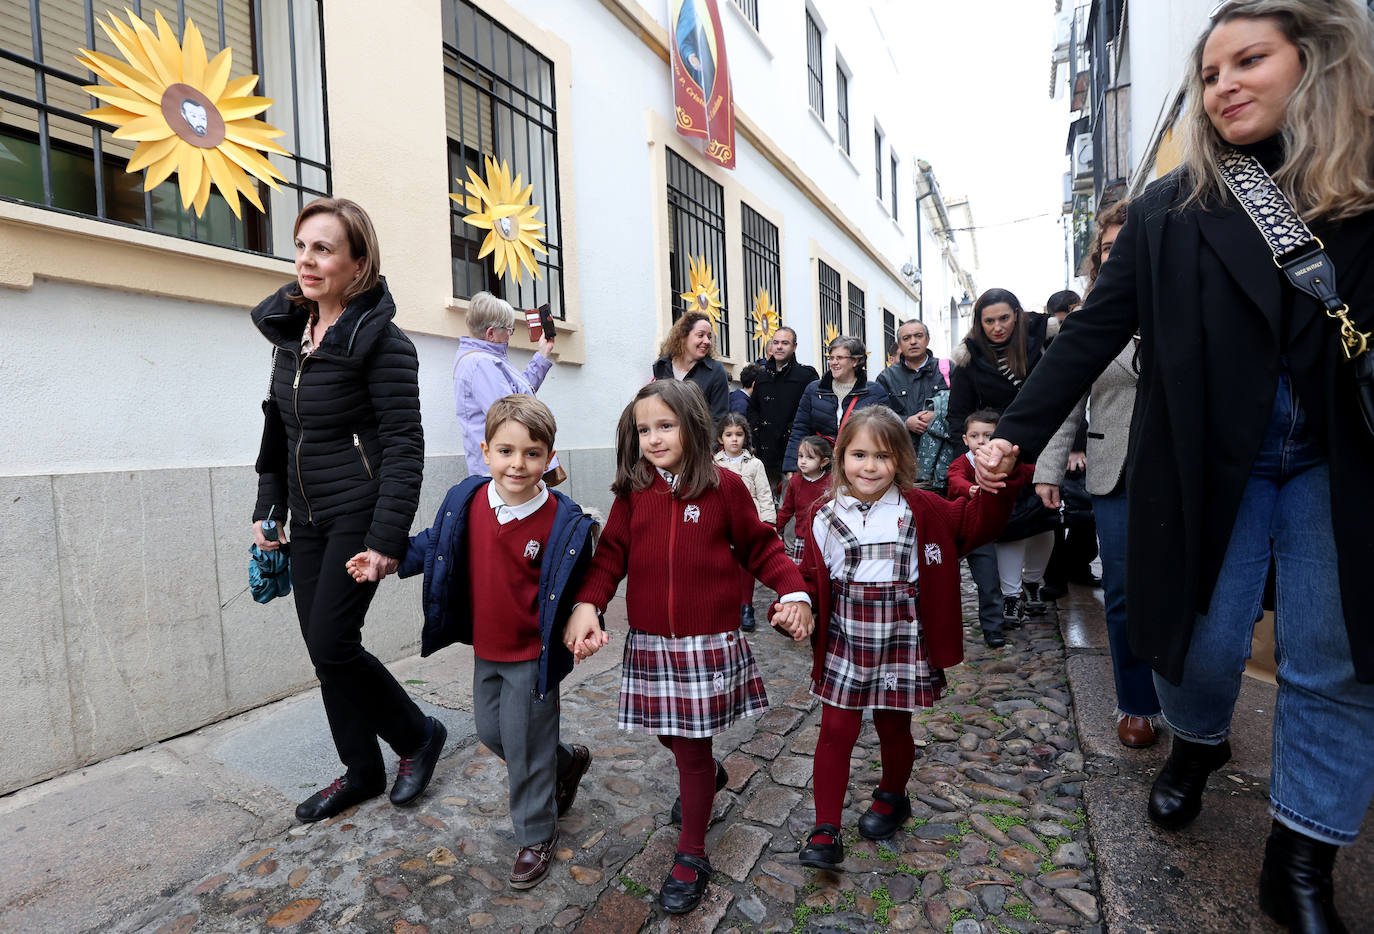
{"type": "Point", "coordinates": [1136, 732]}
{"type": "Point", "coordinates": [566, 791]}
{"type": "Point", "coordinates": [532, 864]}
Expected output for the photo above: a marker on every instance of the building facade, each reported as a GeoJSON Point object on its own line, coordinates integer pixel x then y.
{"type": "Point", "coordinates": [133, 375]}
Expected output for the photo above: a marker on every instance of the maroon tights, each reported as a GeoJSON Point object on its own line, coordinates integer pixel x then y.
{"type": "Point", "coordinates": [839, 732]}
{"type": "Point", "coordinates": [696, 776]}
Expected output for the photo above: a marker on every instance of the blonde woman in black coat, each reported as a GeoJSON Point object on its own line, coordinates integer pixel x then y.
{"type": "Point", "coordinates": [1248, 446]}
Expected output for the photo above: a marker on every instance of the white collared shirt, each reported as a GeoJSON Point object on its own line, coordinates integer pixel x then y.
{"type": "Point", "coordinates": [880, 524]}
{"type": "Point", "coordinates": [506, 513]}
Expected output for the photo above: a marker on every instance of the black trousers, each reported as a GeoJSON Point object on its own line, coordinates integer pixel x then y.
{"type": "Point", "coordinates": [361, 698]}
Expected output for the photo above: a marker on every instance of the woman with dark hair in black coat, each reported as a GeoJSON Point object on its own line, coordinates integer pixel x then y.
{"type": "Point", "coordinates": [343, 454]}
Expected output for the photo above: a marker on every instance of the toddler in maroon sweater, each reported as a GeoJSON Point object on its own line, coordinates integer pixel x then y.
{"type": "Point", "coordinates": [808, 485]}
{"type": "Point", "coordinates": [680, 525]}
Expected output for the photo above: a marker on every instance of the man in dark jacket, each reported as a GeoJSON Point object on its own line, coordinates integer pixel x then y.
{"type": "Point", "coordinates": [777, 393]}
{"type": "Point", "coordinates": [914, 378]}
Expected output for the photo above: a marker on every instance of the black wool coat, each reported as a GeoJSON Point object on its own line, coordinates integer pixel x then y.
{"type": "Point", "coordinates": [773, 406]}
{"type": "Point", "coordinates": [342, 435]}
{"type": "Point", "coordinates": [1215, 318]}
{"type": "Point", "coordinates": [976, 383]}
{"type": "Point", "coordinates": [708, 376]}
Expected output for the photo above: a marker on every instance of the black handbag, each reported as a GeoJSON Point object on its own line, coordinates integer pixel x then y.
{"type": "Point", "coordinates": [1303, 259]}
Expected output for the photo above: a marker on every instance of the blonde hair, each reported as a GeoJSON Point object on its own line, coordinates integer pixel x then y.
{"type": "Point", "coordinates": [487, 311]}
{"type": "Point", "coordinates": [1328, 131]}
{"type": "Point", "coordinates": [888, 432]}
{"type": "Point", "coordinates": [362, 244]}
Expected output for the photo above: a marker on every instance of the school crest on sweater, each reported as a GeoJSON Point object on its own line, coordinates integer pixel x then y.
{"type": "Point", "coordinates": [932, 553]}
{"type": "Point", "coordinates": [691, 514]}
{"type": "Point", "coordinates": [532, 549]}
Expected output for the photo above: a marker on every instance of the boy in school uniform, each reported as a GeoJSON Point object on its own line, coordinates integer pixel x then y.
{"type": "Point", "coordinates": [502, 564]}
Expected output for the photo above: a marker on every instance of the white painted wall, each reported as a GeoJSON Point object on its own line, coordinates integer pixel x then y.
{"type": "Point", "coordinates": [1162, 33]}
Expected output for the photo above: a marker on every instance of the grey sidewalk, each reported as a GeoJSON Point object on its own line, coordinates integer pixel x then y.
{"type": "Point", "coordinates": [1204, 877]}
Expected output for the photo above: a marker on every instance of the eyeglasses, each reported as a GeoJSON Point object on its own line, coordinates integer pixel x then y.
{"type": "Point", "coordinates": [499, 327]}
{"type": "Point", "coordinates": [833, 357]}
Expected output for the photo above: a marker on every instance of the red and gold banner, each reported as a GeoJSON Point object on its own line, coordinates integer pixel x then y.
{"type": "Point", "coordinates": [701, 78]}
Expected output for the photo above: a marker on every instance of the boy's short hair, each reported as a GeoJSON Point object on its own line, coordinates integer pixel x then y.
{"type": "Point", "coordinates": [749, 376]}
{"type": "Point", "coordinates": [528, 411]}
{"type": "Point", "coordinates": [986, 416]}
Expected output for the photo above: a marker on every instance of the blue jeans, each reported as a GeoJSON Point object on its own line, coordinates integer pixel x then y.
{"type": "Point", "coordinates": [1322, 778]}
{"type": "Point", "coordinates": [1135, 684]}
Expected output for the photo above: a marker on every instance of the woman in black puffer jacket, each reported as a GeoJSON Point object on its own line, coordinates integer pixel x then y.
{"type": "Point", "coordinates": [342, 454]}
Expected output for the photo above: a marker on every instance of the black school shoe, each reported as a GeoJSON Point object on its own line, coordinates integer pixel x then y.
{"type": "Point", "coordinates": [822, 855]}
{"type": "Point", "coordinates": [722, 778]}
{"type": "Point", "coordinates": [416, 769]}
{"type": "Point", "coordinates": [340, 795]}
{"type": "Point", "coordinates": [565, 792]}
{"type": "Point", "coordinates": [678, 897]}
{"type": "Point", "coordinates": [875, 826]}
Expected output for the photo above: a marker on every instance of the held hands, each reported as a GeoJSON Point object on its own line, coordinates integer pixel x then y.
{"type": "Point", "coordinates": [793, 619]}
{"type": "Point", "coordinates": [1049, 494]}
{"type": "Point", "coordinates": [370, 566]}
{"type": "Point", "coordinates": [583, 634]}
{"type": "Point", "coordinates": [994, 462]}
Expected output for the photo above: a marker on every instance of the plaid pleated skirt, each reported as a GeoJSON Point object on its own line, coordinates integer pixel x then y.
{"type": "Point", "coordinates": [875, 654]}
{"type": "Point", "coordinates": [693, 686]}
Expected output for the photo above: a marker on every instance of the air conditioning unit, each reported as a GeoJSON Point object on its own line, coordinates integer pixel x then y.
{"type": "Point", "coordinates": [1083, 157]}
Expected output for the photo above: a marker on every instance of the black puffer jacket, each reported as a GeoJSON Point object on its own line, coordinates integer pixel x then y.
{"type": "Point", "coordinates": [343, 436]}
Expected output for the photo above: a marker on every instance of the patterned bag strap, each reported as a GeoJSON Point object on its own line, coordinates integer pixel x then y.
{"type": "Point", "coordinates": [1300, 255]}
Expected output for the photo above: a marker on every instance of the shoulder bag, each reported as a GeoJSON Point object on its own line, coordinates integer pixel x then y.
{"type": "Point", "coordinates": [1303, 259]}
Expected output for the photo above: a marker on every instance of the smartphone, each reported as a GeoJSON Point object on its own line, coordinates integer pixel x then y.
{"type": "Point", "coordinates": [540, 323]}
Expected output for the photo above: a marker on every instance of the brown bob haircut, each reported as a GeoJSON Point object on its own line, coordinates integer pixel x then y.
{"type": "Point", "coordinates": [362, 244]}
{"type": "Point", "coordinates": [888, 432]}
{"type": "Point", "coordinates": [676, 341]}
{"type": "Point", "coordinates": [697, 473]}
{"type": "Point", "coordinates": [528, 411]}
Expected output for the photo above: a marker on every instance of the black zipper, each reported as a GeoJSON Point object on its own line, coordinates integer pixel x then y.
{"type": "Point", "coordinates": [300, 436]}
{"type": "Point", "coordinates": [363, 453]}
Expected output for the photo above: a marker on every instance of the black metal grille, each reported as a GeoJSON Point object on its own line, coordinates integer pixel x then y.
{"type": "Point", "coordinates": [831, 306]}
{"type": "Point", "coordinates": [53, 157]}
{"type": "Point", "coordinates": [815, 83]}
{"type": "Point", "coordinates": [892, 189]}
{"type": "Point", "coordinates": [889, 331]}
{"type": "Point", "coordinates": [759, 240]}
{"type": "Point", "coordinates": [842, 105]}
{"type": "Point", "coordinates": [750, 9]}
{"type": "Point", "coordinates": [696, 231]}
{"type": "Point", "coordinates": [501, 102]}
{"type": "Point", "coordinates": [878, 160]}
{"type": "Point", "coordinates": [858, 313]}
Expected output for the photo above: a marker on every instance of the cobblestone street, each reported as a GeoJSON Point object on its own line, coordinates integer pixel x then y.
{"type": "Point", "coordinates": [997, 843]}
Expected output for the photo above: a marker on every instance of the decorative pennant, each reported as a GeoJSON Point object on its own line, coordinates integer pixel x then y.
{"type": "Point", "coordinates": [184, 112]}
{"type": "Point", "coordinates": [702, 94]}
{"type": "Point", "coordinates": [702, 294]}
{"type": "Point", "coordinates": [766, 318]}
{"type": "Point", "coordinates": [508, 216]}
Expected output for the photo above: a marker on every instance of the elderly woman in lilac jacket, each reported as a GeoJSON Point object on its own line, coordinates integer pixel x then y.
{"type": "Point", "coordinates": [482, 372]}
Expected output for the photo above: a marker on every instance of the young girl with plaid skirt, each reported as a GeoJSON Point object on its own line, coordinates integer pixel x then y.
{"type": "Point", "coordinates": [678, 524]}
{"type": "Point", "coordinates": [810, 483]}
{"type": "Point", "coordinates": [882, 566]}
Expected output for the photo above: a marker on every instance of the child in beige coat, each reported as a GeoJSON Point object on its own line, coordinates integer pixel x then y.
{"type": "Point", "coordinates": [734, 439]}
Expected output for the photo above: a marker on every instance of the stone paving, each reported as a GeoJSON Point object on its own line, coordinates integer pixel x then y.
{"type": "Point", "coordinates": [997, 843]}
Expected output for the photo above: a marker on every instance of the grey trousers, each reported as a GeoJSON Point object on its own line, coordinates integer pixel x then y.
{"type": "Point", "coordinates": [523, 731]}
{"type": "Point", "coordinates": [982, 567]}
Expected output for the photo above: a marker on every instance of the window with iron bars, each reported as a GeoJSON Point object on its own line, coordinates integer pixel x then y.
{"type": "Point", "coordinates": [750, 9]}
{"type": "Point", "coordinates": [858, 314]}
{"type": "Point", "coordinates": [889, 332]}
{"type": "Point", "coordinates": [759, 240]}
{"type": "Point", "coordinates": [842, 106]}
{"type": "Point", "coordinates": [696, 232]}
{"type": "Point", "coordinates": [831, 305]}
{"type": "Point", "coordinates": [892, 189]}
{"type": "Point", "coordinates": [500, 102]}
{"type": "Point", "coordinates": [815, 81]}
{"type": "Point", "coordinates": [53, 157]}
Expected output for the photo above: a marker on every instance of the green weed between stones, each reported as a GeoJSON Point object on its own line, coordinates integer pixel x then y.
{"type": "Point", "coordinates": [887, 856]}
{"type": "Point", "coordinates": [1019, 910]}
{"type": "Point", "coordinates": [801, 913]}
{"type": "Point", "coordinates": [632, 887]}
{"type": "Point", "coordinates": [884, 900]}
{"type": "Point", "coordinates": [1004, 823]}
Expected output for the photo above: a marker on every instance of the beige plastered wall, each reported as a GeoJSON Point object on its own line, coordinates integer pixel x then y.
{"type": "Point", "coordinates": [388, 151]}
{"type": "Point", "coordinates": [661, 134]}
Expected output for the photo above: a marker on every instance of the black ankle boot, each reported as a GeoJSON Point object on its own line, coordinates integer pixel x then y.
{"type": "Point", "coordinates": [1176, 796]}
{"type": "Point", "coordinates": [1295, 885]}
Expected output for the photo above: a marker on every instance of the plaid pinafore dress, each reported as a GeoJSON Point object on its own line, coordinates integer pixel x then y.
{"type": "Point", "coordinates": [875, 653]}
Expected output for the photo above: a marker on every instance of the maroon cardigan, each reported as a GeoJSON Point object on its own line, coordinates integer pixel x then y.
{"type": "Point", "coordinates": [678, 555]}
{"type": "Point", "coordinates": [945, 530]}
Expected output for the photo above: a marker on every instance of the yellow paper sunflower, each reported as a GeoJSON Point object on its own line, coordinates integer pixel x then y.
{"type": "Point", "coordinates": [184, 112]}
{"type": "Point", "coordinates": [831, 332]}
{"type": "Point", "coordinates": [702, 294]}
{"type": "Point", "coordinates": [766, 319]}
{"type": "Point", "coordinates": [508, 215]}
